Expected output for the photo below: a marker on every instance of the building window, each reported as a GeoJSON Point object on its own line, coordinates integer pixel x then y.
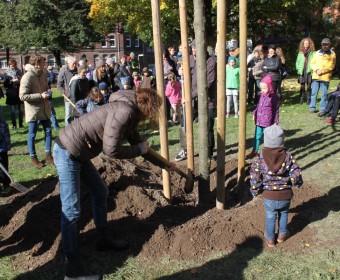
{"type": "Point", "coordinates": [3, 63]}
{"type": "Point", "coordinates": [51, 60]}
{"type": "Point", "coordinates": [113, 56]}
{"type": "Point", "coordinates": [62, 58]}
{"type": "Point", "coordinates": [112, 39]}
{"type": "Point", "coordinates": [137, 42]}
{"type": "Point", "coordinates": [103, 42]}
{"type": "Point", "coordinates": [95, 58]}
{"type": "Point", "coordinates": [128, 41]}
{"type": "Point", "coordinates": [104, 57]}
{"type": "Point", "coordinates": [83, 57]}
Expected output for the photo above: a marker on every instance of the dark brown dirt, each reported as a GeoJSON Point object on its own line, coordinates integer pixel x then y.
{"type": "Point", "coordinates": [184, 230]}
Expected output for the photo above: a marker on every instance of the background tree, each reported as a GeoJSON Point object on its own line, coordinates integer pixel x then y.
{"type": "Point", "coordinates": [52, 25]}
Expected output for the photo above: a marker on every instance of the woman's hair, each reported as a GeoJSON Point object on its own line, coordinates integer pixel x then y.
{"type": "Point", "coordinates": [259, 52]}
{"type": "Point", "coordinates": [148, 102]}
{"type": "Point", "coordinates": [96, 95]}
{"type": "Point", "coordinates": [166, 54]}
{"type": "Point", "coordinates": [279, 53]}
{"type": "Point", "coordinates": [272, 47]}
{"type": "Point", "coordinates": [311, 44]}
{"type": "Point", "coordinates": [36, 59]}
{"type": "Point", "coordinates": [82, 68]}
{"type": "Point", "coordinates": [172, 78]}
{"type": "Point", "coordinates": [99, 73]}
{"type": "Point", "coordinates": [12, 61]}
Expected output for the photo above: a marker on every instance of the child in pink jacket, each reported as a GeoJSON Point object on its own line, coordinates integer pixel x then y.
{"type": "Point", "coordinates": [173, 92]}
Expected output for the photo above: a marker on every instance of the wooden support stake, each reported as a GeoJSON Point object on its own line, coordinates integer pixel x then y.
{"type": "Point", "coordinates": [187, 84]}
{"type": "Point", "coordinates": [163, 125]}
{"type": "Point", "coordinates": [221, 98]}
{"type": "Point", "coordinates": [242, 93]}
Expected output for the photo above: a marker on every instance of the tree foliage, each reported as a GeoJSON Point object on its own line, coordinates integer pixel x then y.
{"type": "Point", "coordinates": [136, 18]}
{"type": "Point", "coordinates": [288, 18]}
{"type": "Point", "coordinates": [54, 25]}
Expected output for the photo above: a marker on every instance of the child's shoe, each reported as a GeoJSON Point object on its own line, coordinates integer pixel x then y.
{"type": "Point", "coordinates": [270, 243]}
{"type": "Point", "coordinates": [252, 155]}
{"type": "Point", "coordinates": [236, 116]}
{"type": "Point", "coordinates": [227, 115]}
{"type": "Point", "coordinates": [282, 237]}
{"type": "Point", "coordinates": [330, 121]}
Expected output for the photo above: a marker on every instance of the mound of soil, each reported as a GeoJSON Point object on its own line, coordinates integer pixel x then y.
{"type": "Point", "coordinates": [184, 229]}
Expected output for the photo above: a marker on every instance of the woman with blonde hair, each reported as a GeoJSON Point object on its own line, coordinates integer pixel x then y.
{"type": "Point", "coordinates": [303, 68]}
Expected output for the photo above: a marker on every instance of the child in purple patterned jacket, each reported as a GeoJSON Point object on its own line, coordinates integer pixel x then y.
{"type": "Point", "coordinates": [275, 171]}
{"type": "Point", "coordinates": [266, 112]}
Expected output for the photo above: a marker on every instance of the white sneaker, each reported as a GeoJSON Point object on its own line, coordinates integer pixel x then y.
{"type": "Point", "coordinates": [227, 116]}
{"type": "Point", "coordinates": [182, 155]}
{"type": "Point", "coordinates": [236, 116]}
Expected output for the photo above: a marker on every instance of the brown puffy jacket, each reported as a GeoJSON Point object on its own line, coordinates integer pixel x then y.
{"type": "Point", "coordinates": [105, 129]}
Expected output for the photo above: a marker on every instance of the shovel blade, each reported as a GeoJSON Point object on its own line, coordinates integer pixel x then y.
{"type": "Point", "coordinates": [19, 187]}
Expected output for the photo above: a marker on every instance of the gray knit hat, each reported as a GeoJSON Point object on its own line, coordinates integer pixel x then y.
{"type": "Point", "coordinates": [274, 136]}
{"type": "Point", "coordinates": [99, 63]}
{"type": "Point", "coordinates": [109, 60]}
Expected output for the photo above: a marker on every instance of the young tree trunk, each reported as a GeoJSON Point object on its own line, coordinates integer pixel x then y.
{"type": "Point", "coordinates": [201, 66]}
{"type": "Point", "coordinates": [57, 56]}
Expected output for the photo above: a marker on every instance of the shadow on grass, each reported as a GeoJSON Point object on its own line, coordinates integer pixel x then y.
{"type": "Point", "coordinates": [229, 267]}
{"type": "Point", "coordinates": [314, 210]}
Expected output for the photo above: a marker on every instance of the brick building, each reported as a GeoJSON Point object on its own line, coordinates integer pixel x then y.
{"type": "Point", "coordinates": [113, 45]}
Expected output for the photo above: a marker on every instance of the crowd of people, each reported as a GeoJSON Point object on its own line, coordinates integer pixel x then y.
{"type": "Point", "coordinates": [104, 105]}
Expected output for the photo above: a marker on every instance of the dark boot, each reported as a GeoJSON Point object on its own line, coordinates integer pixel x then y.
{"type": "Point", "coordinates": [49, 159]}
{"type": "Point", "coordinates": [36, 162]}
{"type": "Point", "coordinates": [308, 96]}
{"type": "Point", "coordinates": [76, 269]}
{"type": "Point", "coordinates": [106, 243]}
{"type": "Point", "coordinates": [302, 95]}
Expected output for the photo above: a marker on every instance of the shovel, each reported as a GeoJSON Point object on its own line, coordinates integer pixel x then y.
{"type": "Point", "coordinates": [13, 184]}
{"type": "Point", "coordinates": [189, 183]}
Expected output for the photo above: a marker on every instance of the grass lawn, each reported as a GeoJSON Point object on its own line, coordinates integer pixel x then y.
{"type": "Point", "coordinates": [315, 145]}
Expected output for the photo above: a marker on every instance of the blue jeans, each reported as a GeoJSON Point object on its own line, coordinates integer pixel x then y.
{"type": "Point", "coordinates": [32, 132]}
{"type": "Point", "coordinates": [73, 174]}
{"type": "Point", "coordinates": [20, 113]}
{"type": "Point", "coordinates": [316, 85]}
{"type": "Point", "coordinates": [279, 209]}
{"type": "Point", "coordinates": [258, 136]}
{"type": "Point", "coordinates": [53, 115]}
{"type": "Point", "coordinates": [68, 110]}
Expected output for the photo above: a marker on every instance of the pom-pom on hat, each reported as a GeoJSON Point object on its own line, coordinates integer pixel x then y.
{"type": "Point", "coordinates": [102, 86]}
{"type": "Point", "coordinates": [274, 136]}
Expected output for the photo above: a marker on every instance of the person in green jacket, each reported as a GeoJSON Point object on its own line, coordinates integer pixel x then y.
{"type": "Point", "coordinates": [303, 69]}
{"type": "Point", "coordinates": [232, 85]}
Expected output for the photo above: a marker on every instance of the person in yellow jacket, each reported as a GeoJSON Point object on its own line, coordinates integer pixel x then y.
{"type": "Point", "coordinates": [322, 64]}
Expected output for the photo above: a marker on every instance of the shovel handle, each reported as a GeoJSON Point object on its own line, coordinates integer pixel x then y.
{"type": "Point", "coordinates": [167, 163]}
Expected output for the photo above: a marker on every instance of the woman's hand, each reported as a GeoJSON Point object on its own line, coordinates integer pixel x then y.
{"type": "Point", "coordinates": [144, 147]}
{"type": "Point", "coordinates": [171, 167]}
